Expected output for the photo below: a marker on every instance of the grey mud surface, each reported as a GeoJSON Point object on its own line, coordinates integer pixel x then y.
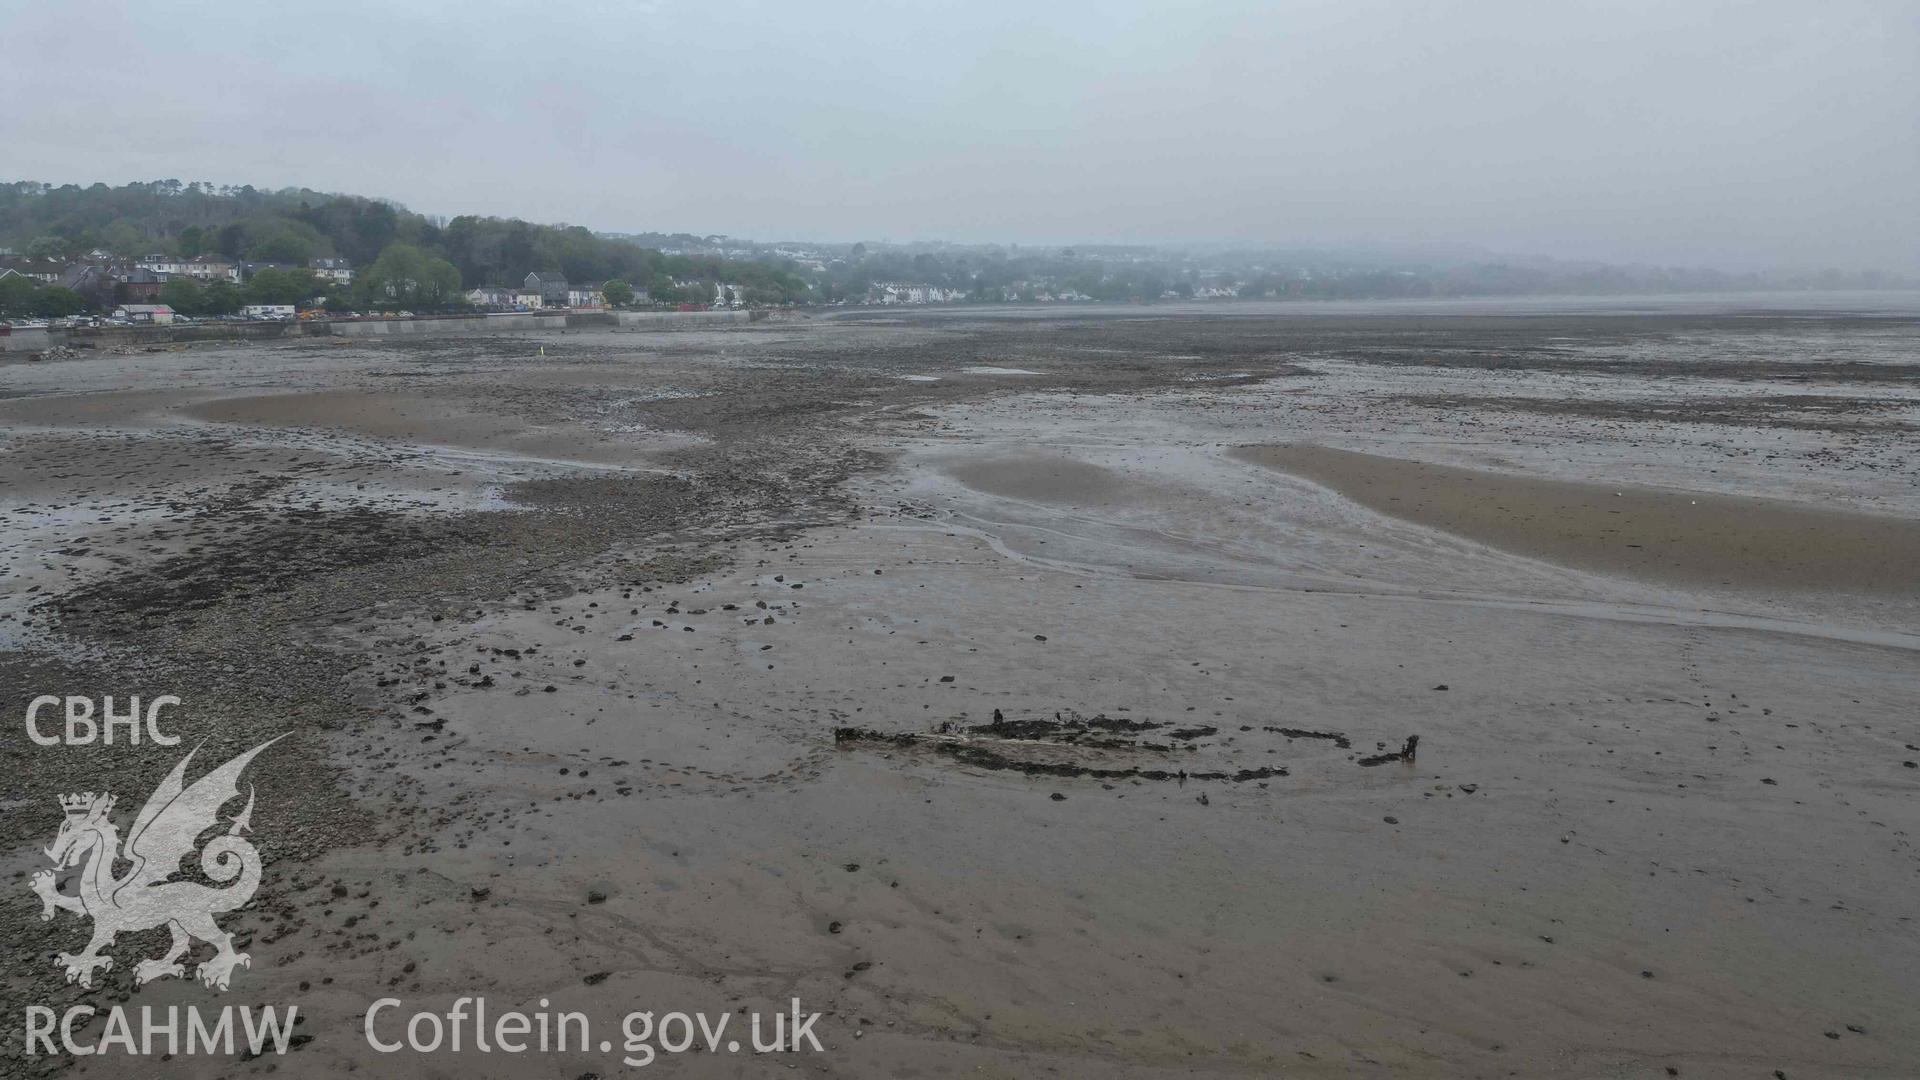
{"type": "Point", "coordinates": [960, 675]}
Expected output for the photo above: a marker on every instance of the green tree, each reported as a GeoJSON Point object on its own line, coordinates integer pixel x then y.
{"type": "Point", "coordinates": [231, 240]}
{"type": "Point", "coordinates": [220, 298]}
{"type": "Point", "coordinates": [19, 296]}
{"type": "Point", "coordinates": [56, 301]}
{"type": "Point", "coordinates": [337, 297]}
{"type": "Point", "coordinates": [271, 286]}
{"type": "Point", "coordinates": [405, 276]}
{"type": "Point", "coordinates": [122, 238]}
{"type": "Point", "coordinates": [618, 293]}
{"type": "Point", "coordinates": [184, 295]}
{"type": "Point", "coordinates": [665, 291]}
{"type": "Point", "coordinates": [276, 239]}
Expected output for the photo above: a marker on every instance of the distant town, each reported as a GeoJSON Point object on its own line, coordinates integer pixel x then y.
{"type": "Point", "coordinates": [170, 251]}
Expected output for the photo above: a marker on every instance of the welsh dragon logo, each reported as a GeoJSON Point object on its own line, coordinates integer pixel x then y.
{"type": "Point", "coordinates": [166, 830]}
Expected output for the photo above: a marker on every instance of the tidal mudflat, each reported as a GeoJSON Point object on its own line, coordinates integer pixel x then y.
{"type": "Point", "coordinates": [1687, 537]}
{"type": "Point", "coordinates": [1027, 690]}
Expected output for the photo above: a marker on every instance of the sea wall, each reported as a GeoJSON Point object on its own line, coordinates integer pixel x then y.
{"type": "Point", "coordinates": [21, 339]}
{"type": "Point", "coordinates": [36, 339]}
{"type": "Point", "coordinates": [531, 322]}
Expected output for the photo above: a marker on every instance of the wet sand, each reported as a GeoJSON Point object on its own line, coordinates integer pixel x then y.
{"type": "Point", "coordinates": [424, 419]}
{"type": "Point", "coordinates": [1018, 724]}
{"type": "Point", "coordinates": [1042, 478]}
{"type": "Point", "coordinates": [1688, 537]}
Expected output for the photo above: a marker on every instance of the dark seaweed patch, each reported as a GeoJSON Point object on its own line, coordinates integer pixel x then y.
{"type": "Point", "coordinates": [1333, 737]}
{"type": "Point", "coordinates": [1405, 753]}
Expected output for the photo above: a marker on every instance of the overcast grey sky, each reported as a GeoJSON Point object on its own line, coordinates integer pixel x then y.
{"type": "Point", "coordinates": [1705, 132]}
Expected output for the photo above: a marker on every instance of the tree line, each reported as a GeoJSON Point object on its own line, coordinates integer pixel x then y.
{"type": "Point", "coordinates": [401, 258]}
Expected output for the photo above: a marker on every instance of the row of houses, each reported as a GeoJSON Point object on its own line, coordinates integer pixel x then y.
{"type": "Point", "coordinates": [107, 278]}
{"type": "Point", "coordinates": [1023, 292]}
{"type": "Point", "coordinates": [539, 290]}
{"type": "Point", "coordinates": [206, 268]}
{"type": "Point", "coordinates": [97, 282]}
{"type": "Point", "coordinates": [894, 292]}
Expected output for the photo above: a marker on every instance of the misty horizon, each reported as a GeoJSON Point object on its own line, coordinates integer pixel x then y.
{"type": "Point", "coordinates": [1380, 253]}
{"type": "Point", "coordinates": [1740, 138]}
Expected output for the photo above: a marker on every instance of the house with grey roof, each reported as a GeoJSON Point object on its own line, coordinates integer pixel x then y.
{"type": "Point", "coordinates": [550, 284]}
{"type": "Point", "coordinates": [141, 286]}
{"type": "Point", "coordinates": [332, 269]}
{"type": "Point", "coordinates": [92, 281]}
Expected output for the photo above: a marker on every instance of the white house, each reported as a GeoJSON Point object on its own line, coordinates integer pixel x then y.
{"type": "Point", "coordinates": [200, 267]}
{"type": "Point", "coordinates": [213, 268]}
{"type": "Point", "coordinates": [163, 264]}
{"type": "Point", "coordinates": [490, 296]}
{"type": "Point", "coordinates": [334, 269]}
{"type": "Point", "coordinates": [894, 292]}
{"type": "Point", "coordinates": [157, 314]}
{"type": "Point", "coordinates": [44, 271]}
